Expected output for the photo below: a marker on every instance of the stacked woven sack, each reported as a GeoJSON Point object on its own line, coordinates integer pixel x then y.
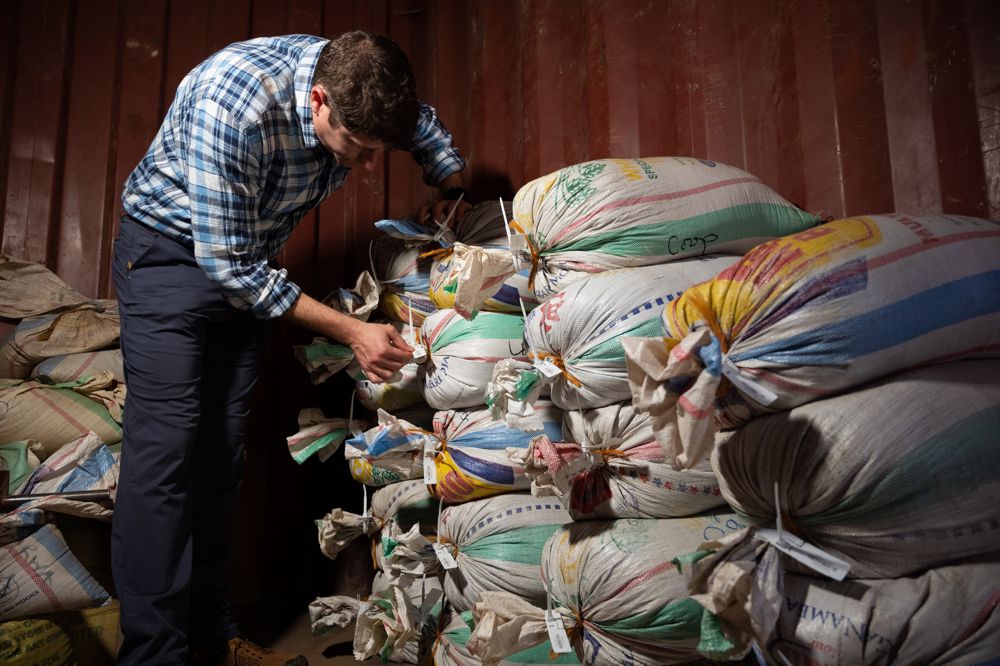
{"type": "Point", "coordinates": [542, 403]}
{"type": "Point", "coordinates": [843, 384]}
{"type": "Point", "coordinates": [61, 397]}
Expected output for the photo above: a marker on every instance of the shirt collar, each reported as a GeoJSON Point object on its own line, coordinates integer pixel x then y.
{"type": "Point", "coordinates": [303, 85]}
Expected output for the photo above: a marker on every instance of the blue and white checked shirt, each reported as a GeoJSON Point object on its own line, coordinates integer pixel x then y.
{"type": "Point", "coordinates": [236, 164]}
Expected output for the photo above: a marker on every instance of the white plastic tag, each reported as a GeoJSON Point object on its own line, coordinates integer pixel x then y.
{"type": "Point", "coordinates": [518, 244]}
{"type": "Point", "coordinates": [445, 557]}
{"type": "Point", "coordinates": [806, 553]}
{"type": "Point", "coordinates": [430, 467]}
{"type": "Point", "coordinates": [754, 390]}
{"type": "Point", "coordinates": [362, 607]}
{"type": "Point", "coordinates": [557, 633]}
{"type": "Point", "coordinates": [547, 369]}
{"type": "Point", "coordinates": [419, 353]}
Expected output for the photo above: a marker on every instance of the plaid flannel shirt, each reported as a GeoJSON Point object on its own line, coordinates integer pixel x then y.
{"type": "Point", "coordinates": [236, 164]}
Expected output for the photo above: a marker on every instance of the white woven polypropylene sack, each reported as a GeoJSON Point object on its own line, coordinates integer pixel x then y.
{"type": "Point", "coordinates": [482, 226]}
{"type": "Point", "coordinates": [403, 276]}
{"type": "Point", "coordinates": [451, 646]}
{"type": "Point", "coordinates": [945, 616]}
{"type": "Point", "coordinates": [41, 575]}
{"type": "Point", "coordinates": [82, 328]}
{"type": "Point", "coordinates": [814, 314]}
{"type": "Point", "coordinates": [404, 504]}
{"type": "Point", "coordinates": [461, 355]}
{"type": "Point", "coordinates": [580, 328]}
{"type": "Point", "coordinates": [397, 623]}
{"type": "Point", "coordinates": [895, 477]}
{"type": "Point", "coordinates": [388, 453]}
{"type": "Point", "coordinates": [609, 465]}
{"type": "Point", "coordinates": [497, 543]}
{"type": "Point", "coordinates": [615, 213]}
{"type": "Point", "coordinates": [472, 458]}
{"type": "Point", "coordinates": [616, 589]}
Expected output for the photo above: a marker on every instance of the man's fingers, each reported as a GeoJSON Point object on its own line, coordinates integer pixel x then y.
{"type": "Point", "coordinates": [397, 340]}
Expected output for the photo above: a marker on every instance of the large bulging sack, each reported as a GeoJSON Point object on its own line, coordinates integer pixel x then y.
{"type": "Point", "coordinates": [29, 289]}
{"type": "Point", "coordinates": [580, 329]}
{"type": "Point", "coordinates": [71, 367]}
{"type": "Point", "coordinates": [618, 593]}
{"type": "Point", "coordinates": [944, 616]}
{"type": "Point", "coordinates": [609, 465]}
{"type": "Point", "coordinates": [893, 478]}
{"type": "Point", "coordinates": [462, 353]}
{"type": "Point", "coordinates": [497, 544]}
{"type": "Point", "coordinates": [472, 456]}
{"type": "Point", "coordinates": [403, 275]}
{"type": "Point", "coordinates": [482, 226]}
{"type": "Point", "coordinates": [82, 328]}
{"type": "Point", "coordinates": [814, 314]}
{"type": "Point", "coordinates": [617, 213]}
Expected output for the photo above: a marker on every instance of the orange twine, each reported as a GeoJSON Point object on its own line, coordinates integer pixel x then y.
{"type": "Point", "coordinates": [535, 254]}
{"type": "Point", "coordinates": [442, 253]}
{"type": "Point", "coordinates": [559, 364]}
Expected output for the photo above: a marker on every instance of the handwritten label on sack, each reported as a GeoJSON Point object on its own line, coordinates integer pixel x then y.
{"type": "Point", "coordinates": [806, 553]}
{"type": "Point", "coordinates": [445, 557]}
{"type": "Point", "coordinates": [362, 607]}
{"type": "Point", "coordinates": [557, 633]}
{"type": "Point", "coordinates": [749, 388]}
{"type": "Point", "coordinates": [430, 467]}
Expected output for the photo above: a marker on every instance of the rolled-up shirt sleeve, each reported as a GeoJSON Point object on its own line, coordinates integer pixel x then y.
{"type": "Point", "coordinates": [432, 148]}
{"type": "Point", "coordinates": [222, 177]}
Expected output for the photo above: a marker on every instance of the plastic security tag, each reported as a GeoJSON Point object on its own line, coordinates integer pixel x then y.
{"type": "Point", "coordinates": [518, 243]}
{"type": "Point", "coordinates": [547, 369]}
{"type": "Point", "coordinates": [806, 553]}
{"type": "Point", "coordinates": [557, 633]}
{"type": "Point", "coordinates": [445, 557]}
{"type": "Point", "coordinates": [419, 353]}
{"type": "Point", "coordinates": [362, 607]}
{"type": "Point", "coordinates": [754, 390]}
{"type": "Point", "coordinates": [430, 467]}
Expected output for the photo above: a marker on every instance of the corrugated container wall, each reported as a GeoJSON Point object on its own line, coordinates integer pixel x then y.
{"type": "Point", "coordinates": [843, 106]}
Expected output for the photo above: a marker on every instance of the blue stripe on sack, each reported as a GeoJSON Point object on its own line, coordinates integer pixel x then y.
{"type": "Point", "coordinates": [487, 471]}
{"type": "Point", "coordinates": [501, 437]}
{"type": "Point", "coordinates": [88, 474]}
{"type": "Point", "coordinates": [383, 443]}
{"type": "Point", "coordinates": [930, 310]}
{"type": "Point", "coordinates": [55, 545]}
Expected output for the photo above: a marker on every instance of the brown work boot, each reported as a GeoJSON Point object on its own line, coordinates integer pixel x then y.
{"type": "Point", "coordinates": [244, 653]}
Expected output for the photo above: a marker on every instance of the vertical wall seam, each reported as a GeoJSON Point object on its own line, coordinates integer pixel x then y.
{"type": "Point", "coordinates": [59, 167]}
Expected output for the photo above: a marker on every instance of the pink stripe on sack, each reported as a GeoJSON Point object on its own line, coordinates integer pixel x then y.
{"type": "Point", "coordinates": [980, 618]}
{"type": "Point", "coordinates": [83, 366]}
{"type": "Point", "coordinates": [643, 577]}
{"type": "Point", "coordinates": [927, 245]}
{"type": "Point", "coordinates": [35, 578]}
{"type": "Point", "coordinates": [690, 408]}
{"type": "Point", "coordinates": [623, 203]}
{"type": "Point", "coordinates": [39, 395]}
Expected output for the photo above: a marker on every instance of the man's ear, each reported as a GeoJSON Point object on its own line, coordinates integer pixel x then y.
{"type": "Point", "coordinates": [317, 98]}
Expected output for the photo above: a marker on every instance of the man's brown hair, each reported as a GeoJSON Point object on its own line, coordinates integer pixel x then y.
{"type": "Point", "coordinates": [369, 86]}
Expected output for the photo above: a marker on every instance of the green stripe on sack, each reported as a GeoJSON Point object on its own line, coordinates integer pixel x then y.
{"type": "Point", "coordinates": [612, 350]}
{"type": "Point", "coordinates": [696, 235]}
{"type": "Point", "coordinates": [681, 620]}
{"type": "Point", "coordinates": [91, 406]}
{"type": "Point", "coordinates": [486, 326]}
{"type": "Point", "coordinates": [539, 654]}
{"type": "Point", "coordinates": [521, 546]}
{"type": "Point", "coordinates": [959, 459]}
{"type": "Point", "coordinates": [321, 351]}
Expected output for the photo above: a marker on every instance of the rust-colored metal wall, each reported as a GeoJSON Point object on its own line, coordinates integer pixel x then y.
{"type": "Point", "coordinates": [843, 106]}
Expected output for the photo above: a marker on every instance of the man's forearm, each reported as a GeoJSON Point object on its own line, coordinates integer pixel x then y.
{"type": "Point", "coordinates": [308, 312]}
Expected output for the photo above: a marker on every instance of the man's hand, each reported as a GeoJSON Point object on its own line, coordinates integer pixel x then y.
{"type": "Point", "coordinates": [379, 349]}
{"type": "Point", "coordinates": [439, 211]}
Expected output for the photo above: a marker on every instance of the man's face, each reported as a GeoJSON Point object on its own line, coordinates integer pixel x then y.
{"type": "Point", "coordinates": [350, 148]}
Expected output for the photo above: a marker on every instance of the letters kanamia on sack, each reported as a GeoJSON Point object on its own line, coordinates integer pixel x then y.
{"type": "Point", "coordinates": [618, 213]}
{"type": "Point", "coordinates": [813, 314]}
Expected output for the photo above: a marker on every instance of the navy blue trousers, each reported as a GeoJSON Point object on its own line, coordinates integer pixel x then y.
{"type": "Point", "coordinates": [191, 361]}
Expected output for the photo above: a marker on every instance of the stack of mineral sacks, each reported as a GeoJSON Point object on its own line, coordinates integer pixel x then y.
{"type": "Point", "coordinates": [61, 397]}
{"type": "Point", "coordinates": [579, 357]}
